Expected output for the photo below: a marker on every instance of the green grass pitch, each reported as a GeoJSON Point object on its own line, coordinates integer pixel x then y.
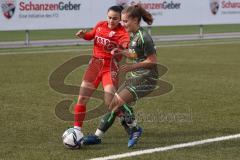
{"type": "Point", "coordinates": [205, 76]}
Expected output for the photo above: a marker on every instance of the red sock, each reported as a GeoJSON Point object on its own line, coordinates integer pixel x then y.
{"type": "Point", "coordinates": [79, 114]}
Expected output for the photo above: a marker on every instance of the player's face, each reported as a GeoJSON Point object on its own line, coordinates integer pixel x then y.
{"type": "Point", "coordinates": [113, 19]}
{"type": "Point", "coordinates": [130, 24]}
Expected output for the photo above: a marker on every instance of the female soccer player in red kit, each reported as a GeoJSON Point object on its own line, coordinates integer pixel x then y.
{"type": "Point", "coordinates": [144, 72]}
{"type": "Point", "coordinates": [102, 67]}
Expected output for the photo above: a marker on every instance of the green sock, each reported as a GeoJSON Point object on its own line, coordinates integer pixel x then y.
{"type": "Point", "coordinates": [128, 119]}
{"type": "Point", "coordinates": [124, 124]}
{"type": "Point", "coordinates": [107, 121]}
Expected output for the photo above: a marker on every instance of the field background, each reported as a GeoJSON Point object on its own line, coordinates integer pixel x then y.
{"type": "Point", "coordinates": [205, 76]}
{"type": "Point", "coordinates": [69, 33]}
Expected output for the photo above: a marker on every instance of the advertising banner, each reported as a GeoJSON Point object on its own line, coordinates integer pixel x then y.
{"type": "Point", "coordinates": [51, 14]}
{"type": "Point", "coordinates": [66, 14]}
{"type": "Point", "coordinates": [221, 12]}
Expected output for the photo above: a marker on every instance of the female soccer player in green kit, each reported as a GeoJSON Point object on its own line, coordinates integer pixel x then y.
{"type": "Point", "coordinates": [144, 73]}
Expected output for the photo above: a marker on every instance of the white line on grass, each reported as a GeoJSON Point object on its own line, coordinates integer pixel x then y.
{"type": "Point", "coordinates": [89, 49]}
{"type": "Point", "coordinates": [162, 149]}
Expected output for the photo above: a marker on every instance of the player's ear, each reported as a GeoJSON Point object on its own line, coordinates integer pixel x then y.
{"type": "Point", "coordinates": [135, 20]}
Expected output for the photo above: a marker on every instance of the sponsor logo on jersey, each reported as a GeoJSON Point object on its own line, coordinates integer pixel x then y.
{"type": "Point", "coordinates": [111, 34]}
{"type": "Point", "coordinates": [108, 45]}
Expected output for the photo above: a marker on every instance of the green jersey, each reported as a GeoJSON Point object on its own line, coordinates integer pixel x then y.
{"type": "Point", "coordinates": [142, 46]}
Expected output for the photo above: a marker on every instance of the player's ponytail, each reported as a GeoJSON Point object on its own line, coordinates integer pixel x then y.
{"type": "Point", "coordinates": [146, 16]}
{"type": "Point", "coordinates": [137, 11]}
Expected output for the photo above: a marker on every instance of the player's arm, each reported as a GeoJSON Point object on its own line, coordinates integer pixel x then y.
{"type": "Point", "coordinates": [150, 52]}
{"type": "Point", "coordinates": [87, 35]}
{"type": "Point", "coordinates": [81, 33]}
{"type": "Point", "coordinates": [129, 53]}
{"type": "Point", "coordinates": [117, 51]}
{"type": "Point", "coordinates": [149, 62]}
{"type": "Point", "coordinates": [122, 49]}
{"type": "Point", "coordinates": [126, 52]}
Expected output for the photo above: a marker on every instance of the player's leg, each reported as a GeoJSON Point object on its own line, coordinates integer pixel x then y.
{"type": "Point", "coordinates": [138, 87]}
{"type": "Point", "coordinates": [126, 114]}
{"type": "Point", "coordinates": [110, 82]}
{"type": "Point", "coordinates": [121, 99]}
{"type": "Point", "coordinates": [128, 95]}
{"type": "Point", "coordinates": [108, 119]}
{"type": "Point", "coordinates": [91, 80]}
{"type": "Point", "coordinates": [85, 93]}
{"type": "Point", "coordinates": [106, 122]}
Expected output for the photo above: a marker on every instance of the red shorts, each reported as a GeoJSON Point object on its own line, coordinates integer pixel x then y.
{"type": "Point", "coordinates": [105, 70]}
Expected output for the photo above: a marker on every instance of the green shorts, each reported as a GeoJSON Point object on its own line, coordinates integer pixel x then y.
{"type": "Point", "coordinates": [139, 86]}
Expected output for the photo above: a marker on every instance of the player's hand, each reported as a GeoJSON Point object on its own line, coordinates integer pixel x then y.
{"type": "Point", "coordinates": [81, 33]}
{"type": "Point", "coordinates": [114, 51]}
{"type": "Point", "coordinates": [131, 54]}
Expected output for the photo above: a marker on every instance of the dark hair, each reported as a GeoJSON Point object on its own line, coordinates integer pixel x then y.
{"type": "Point", "coordinates": [116, 9]}
{"type": "Point", "coordinates": [137, 11]}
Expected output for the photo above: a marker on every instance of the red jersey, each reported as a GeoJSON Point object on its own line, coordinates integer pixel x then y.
{"type": "Point", "coordinates": [106, 39]}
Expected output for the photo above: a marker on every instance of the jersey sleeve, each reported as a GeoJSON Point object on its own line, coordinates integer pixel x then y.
{"type": "Point", "coordinates": [124, 40]}
{"type": "Point", "coordinates": [148, 46]}
{"type": "Point", "coordinates": [91, 34]}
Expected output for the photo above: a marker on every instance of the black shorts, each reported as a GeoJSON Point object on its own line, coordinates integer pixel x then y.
{"type": "Point", "coordinates": [139, 86]}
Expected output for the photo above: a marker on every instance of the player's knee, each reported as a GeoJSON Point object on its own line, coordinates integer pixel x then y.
{"type": "Point", "coordinates": [114, 103]}
{"type": "Point", "coordinates": [107, 102]}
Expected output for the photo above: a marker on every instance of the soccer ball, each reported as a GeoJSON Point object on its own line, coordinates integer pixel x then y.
{"type": "Point", "coordinates": [72, 138]}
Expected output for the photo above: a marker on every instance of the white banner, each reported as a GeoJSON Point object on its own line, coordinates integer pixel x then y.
{"type": "Point", "coordinates": [172, 12]}
{"type": "Point", "coordinates": [221, 12]}
{"type": "Point", "coordinates": [52, 14]}
{"type": "Point", "coordinates": [65, 14]}
{"type": "Point", "coordinates": [192, 12]}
